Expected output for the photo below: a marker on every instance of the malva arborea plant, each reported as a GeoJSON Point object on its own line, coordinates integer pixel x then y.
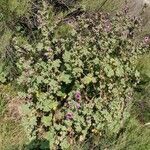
{"type": "Point", "coordinates": [79, 85]}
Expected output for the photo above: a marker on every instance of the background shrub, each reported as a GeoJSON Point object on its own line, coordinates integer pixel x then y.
{"type": "Point", "coordinates": [141, 108]}
{"type": "Point", "coordinates": [10, 12]}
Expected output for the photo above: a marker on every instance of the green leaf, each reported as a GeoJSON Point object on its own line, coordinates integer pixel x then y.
{"type": "Point", "coordinates": [109, 71]}
{"type": "Point", "coordinates": [40, 79]}
{"type": "Point", "coordinates": [61, 94]}
{"type": "Point", "coordinates": [65, 78]}
{"type": "Point", "coordinates": [88, 79]}
{"type": "Point", "coordinates": [48, 105]}
{"type": "Point", "coordinates": [39, 46]}
{"type": "Point", "coordinates": [67, 56]}
{"type": "Point", "coordinates": [78, 128]}
{"type": "Point", "coordinates": [46, 120]}
{"type": "Point", "coordinates": [137, 73]}
{"type": "Point", "coordinates": [96, 61]}
{"type": "Point", "coordinates": [65, 144]}
{"type": "Point", "coordinates": [119, 71]}
{"type": "Point", "coordinates": [56, 63]}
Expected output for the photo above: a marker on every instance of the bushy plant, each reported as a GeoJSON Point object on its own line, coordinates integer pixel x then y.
{"type": "Point", "coordinates": [79, 85]}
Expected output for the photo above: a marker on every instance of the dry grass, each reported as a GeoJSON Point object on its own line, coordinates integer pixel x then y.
{"type": "Point", "coordinates": [12, 135]}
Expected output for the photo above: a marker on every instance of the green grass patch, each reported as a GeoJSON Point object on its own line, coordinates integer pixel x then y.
{"type": "Point", "coordinates": [106, 5]}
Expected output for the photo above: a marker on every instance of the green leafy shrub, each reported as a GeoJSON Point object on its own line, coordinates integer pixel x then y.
{"type": "Point", "coordinates": [79, 85]}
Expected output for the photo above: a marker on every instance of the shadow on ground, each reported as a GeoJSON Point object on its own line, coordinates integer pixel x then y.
{"type": "Point", "coordinates": [38, 145]}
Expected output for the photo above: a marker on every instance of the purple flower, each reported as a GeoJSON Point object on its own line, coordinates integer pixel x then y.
{"type": "Point", "coordinates": [78, 95]}
{"type": "Point", "coordinates": [69, 116]}
{"type": "Point", "coordinates": [146, 39]}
